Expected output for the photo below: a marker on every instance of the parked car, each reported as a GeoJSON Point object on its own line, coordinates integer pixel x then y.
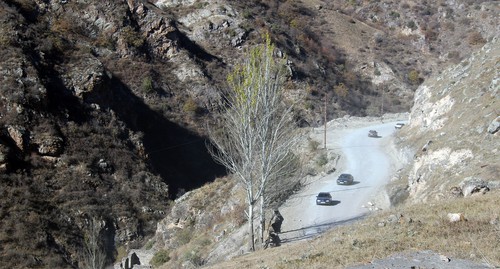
{"type": "Point", "coordinates": [372, 133]}
{"type": "Point", "coordinates": [345, 179]}
{"type": "Point", "coordinates": [399, 125]}
{"type": "Point", "coordinates": [324, 198]}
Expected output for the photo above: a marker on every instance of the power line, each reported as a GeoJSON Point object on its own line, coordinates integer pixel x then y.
{"type": "Point", "coordinates": [176, 146]}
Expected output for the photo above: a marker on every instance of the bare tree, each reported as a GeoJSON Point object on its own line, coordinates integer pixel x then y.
{"type": "Point", "coordinates": [94, 255]}
{"type": "Point", "coordinates": [257, 134]}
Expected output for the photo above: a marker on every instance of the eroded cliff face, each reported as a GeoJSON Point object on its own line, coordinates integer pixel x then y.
{"type": "Point", "coordinates": [453, 131]}
{"type": "Point", "coordinates": [82, 137]}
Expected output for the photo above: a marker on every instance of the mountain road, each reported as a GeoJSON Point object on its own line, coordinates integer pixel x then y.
{"type": "Point", "coordinates": [370, 160]}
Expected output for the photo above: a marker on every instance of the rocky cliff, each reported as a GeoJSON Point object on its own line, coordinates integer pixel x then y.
{"type": "Point", "coordinates": [453, 133]}
{"type": "Point", "coordinates": [103, 104]}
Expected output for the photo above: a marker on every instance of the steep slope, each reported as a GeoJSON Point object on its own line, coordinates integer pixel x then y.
{"type": "Point", "coordinates": [453, 130]}
{"type": "Point", "coordinates": [458, 172]}
{"type": "Point", "coordinates": [104, 104]}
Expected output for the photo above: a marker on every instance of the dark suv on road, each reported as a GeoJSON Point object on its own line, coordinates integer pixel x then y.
{"type": "Point", "coordinates": [345, 179]}
{"type": "Point", "coordinates": [324, 198]}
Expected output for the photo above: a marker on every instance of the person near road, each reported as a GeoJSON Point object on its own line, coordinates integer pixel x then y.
{"type": "Point", "coordinates": [276, 221]}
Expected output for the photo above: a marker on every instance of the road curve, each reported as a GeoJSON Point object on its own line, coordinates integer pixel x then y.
{"type": "Point", "coordinates": [364, 157]}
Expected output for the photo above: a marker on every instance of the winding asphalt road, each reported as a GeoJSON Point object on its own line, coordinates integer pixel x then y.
{"type": "Point", "coordinates": [367, 160]}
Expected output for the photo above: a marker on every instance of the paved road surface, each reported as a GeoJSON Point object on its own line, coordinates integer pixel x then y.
{"type": "Point", "coordinates": [366, 159]}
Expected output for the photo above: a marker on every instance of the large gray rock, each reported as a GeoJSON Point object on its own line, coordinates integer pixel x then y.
{"type": "Point", "coordinates": [494, 126]}
{"type": "Point", "coordinates": [84, 76]}
{"type": "Point", "coordinates": [18, 134]}
{"type": "Point", "coordinates": [472, 185]}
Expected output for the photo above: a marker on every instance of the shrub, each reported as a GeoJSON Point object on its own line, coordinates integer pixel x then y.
{"type": "Point", "coordinates": [341, 90]}
{"type": "Point", "coordinates": [65, 26]}
{"type": "Point", "coordinates": [313, 145]}
{"type": "Point", "coordinates": [7, 37]}
{"type": "Point", "coordinates": [184, 236]}
{"type": "Point", "coordinates": [105, 40]}
{"type": "Point", "coordinates": [412, 25]}
{"type": "Point", "coordinates": [200, 5]}
{"type": "Point", "coordinates": [160, 258]}
{"type": "Point", "coordinates": [132, 38]}
{"type": "Point", "coordinates": [149, 244]}
{"type": "Point", "coordinates": [322, 159]}
{"type": "Point", "coordinates": [147, 84]}
{"type": "Point", "coordinates": [394, 14]}
{"type": "Point", "coordinates": [414, 76]}
{"type": "Point", "coordinates": [194, 257]}
{"type": "Point", "coordinates": [190, 106]}
{"type": "Point", "coordinates": [475, 38]}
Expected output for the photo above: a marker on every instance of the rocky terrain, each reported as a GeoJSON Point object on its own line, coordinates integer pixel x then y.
{"type": "Point", "coordinates": [447, 216]}
{"type": "Point", "coordinates": [452, 137]}
{"type": "Point", "coordinates": [104, 105]}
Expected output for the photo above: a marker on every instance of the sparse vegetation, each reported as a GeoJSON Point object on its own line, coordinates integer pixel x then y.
{"type": "Point", "coordinates": [48, 53]}
{"type": "Point", "coordinates": [132, 37]}
{"type": "Point", "coordinates": [341, 90]}
{"type": "Point", "coordinates": [160, 257]}
{"type": "Point", "coordinates": [313, 145]}
{"type": "Point", "coordinates": [402, 229]}
{"type": "Point", "coordinates": [322, 159]}
{"type": "Point", "coordinates": [147, 84]}
{"type": "Point", "coordinates": [412, 25]}
{"type": "Point", "coordinates": [475, 38]}
{"type": "Point", "coordinates": [190, 106]}
{"type": "Point", "coordinates": [414, 77]}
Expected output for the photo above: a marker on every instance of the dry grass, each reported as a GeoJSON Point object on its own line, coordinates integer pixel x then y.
{"type": "Point", "coordinates": [419, 227]}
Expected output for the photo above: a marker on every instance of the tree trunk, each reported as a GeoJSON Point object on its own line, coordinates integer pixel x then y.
{"type": "Point", "coordinates": [250, 227]}
{"type": "Point", "coordinates": [262, 223]}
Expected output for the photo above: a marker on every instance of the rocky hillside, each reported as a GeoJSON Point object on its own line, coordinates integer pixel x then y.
{"type": "Point", "coordinates": [444, 211]}
{"type": "Point", "coordinates": [453, 132]}
{"type": "Point", "coordinates": [104, 104]}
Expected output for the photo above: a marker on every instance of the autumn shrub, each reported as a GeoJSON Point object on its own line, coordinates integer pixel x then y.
{"type": "Point", "coordinates": [7, 37]}
{"type": "Point", "coordinates": [104, 40]}
{"type": "Point", "coordinates": [341, 90]}
{"type": "Point", "coordinates": [414, 77]}
{"type": "Point", "coordinates": [190, 106]}
{"type": "Point", "coordinates": [132, 37]}
{"type": "Point", "coordinates": [475, 38]}
{"type": "Point", "coordinates": [65, 25]}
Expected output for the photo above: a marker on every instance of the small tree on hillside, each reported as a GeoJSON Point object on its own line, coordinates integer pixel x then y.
{"type": "Point", "coordinates": [94, 255]}
{"type": "Point", "coordinates": [256, 138]}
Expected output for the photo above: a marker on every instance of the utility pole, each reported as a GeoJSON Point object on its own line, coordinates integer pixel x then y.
{"type": "Point", "coordinates": [324, 146]}
{"type": "Point", "coordinates": [382, 108]}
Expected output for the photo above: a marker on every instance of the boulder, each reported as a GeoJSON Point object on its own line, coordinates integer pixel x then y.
{"type": "Point", "coordinates": [50, 146]}
{"type": "Point", "coordinates": [84, 76]}
{"type": "Point", "coordinates": [18, 134]}
{"type": "Point", "coordinates": [454, 217]}
{"type": "Point", "coordinates": [472, 185]}
{"type": "Point", "coordinates": [494, 126]}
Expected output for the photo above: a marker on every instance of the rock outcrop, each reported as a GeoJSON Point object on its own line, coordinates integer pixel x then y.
{"type": "Point", "coordinates": [458, 111]}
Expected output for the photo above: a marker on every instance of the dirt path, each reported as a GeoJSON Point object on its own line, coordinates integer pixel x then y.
{"type": "Point", "coordinates": [366, 158]}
